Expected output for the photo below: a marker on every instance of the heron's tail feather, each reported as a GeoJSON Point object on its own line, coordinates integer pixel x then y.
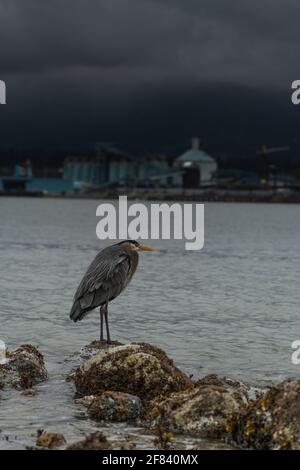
{"type": "Point", "coordinates": [76, 313]}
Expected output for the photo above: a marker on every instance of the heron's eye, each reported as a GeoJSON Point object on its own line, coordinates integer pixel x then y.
{"type": "Point", "coordinates": [135, 245]}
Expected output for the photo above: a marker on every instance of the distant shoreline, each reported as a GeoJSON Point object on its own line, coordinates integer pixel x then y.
{"type": "Point", "coordinates": [230, 196]}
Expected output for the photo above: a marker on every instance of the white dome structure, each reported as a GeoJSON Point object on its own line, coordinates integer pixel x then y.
{"type": "Point", "coordinates": [198, 167]}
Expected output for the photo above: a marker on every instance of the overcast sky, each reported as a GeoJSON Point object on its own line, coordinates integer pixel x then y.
{"type": "Point", "coordinates": [148, 74]}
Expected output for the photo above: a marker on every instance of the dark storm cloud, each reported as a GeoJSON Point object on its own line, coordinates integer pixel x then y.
{"type": "Point", "coordinates": [113, 69]}
{"type": "Point", "coordinates": [36, 35]}
{"type": "Point", "coordinates": [240, 41]}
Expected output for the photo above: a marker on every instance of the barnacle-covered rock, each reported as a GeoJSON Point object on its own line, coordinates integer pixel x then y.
{"type": "Point", "coordinates": [95, 347]}
{"type": "Point", "coordinates": [272, 421]}
{"type": "Point", "coordinates": [95, 441]}
{"type": "Point", "coordinates": [113, 406]}
{"type": "Point", "coordinates": [24, 368]}
{"type": "Point", "coordinates": [138, 369]}
{"type": "Point", "coordinates": [222, 381]}
{"type": "Point", "coordinates": [201, 411]}
{"type": "Point", "coordinates": [49, 440]}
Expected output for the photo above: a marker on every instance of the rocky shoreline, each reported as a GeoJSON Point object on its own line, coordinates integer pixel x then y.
{"type": "Point", "coordinates": [139, 384]}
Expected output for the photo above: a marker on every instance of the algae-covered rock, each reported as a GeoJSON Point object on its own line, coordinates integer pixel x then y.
{"type": "Point", "coordinates": [138, 369]}
{"type": "Point", "coordinates": [249, 391]}
{"type": "Point", "coordinates": [49, 440]}
{"type": "Point", "coordinates": [113, 406]}
{"type": "Point", "coordinates": [223, 381]}
{"type": "Point", "coordinates": [95, 347]}
{"type": "Point", "coordinates": [272, 421]}
{"type": "Point", "coordinates": [25, 368]}
{"type": "Point", "coordinates": [95, 441]}
{"type": "Point", "coordinates": [202, 411]}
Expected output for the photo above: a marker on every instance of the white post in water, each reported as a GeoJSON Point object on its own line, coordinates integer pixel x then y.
{"type": "Point", "coordinates": [2, 92]}
{"type": "Point", "coordinates": [3, 359]}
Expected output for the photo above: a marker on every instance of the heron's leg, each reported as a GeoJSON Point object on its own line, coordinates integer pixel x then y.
{"type": "Point", "coordinates": [106, 322]}
{"type": "Point", "coordinates": [101, 322]}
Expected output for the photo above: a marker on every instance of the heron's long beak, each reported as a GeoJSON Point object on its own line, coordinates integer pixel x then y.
{"type": "Point", "coordinates": [145, 248]}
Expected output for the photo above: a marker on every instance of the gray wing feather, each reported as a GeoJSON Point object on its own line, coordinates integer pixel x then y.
{"type": "Point", "coordinates": [104, 280]}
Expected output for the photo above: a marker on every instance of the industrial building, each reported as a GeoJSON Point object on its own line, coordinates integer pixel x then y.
{"type": "Point", "coordinates": [111, 167]}
{"type": "Point", "coordinates": [198, 168]}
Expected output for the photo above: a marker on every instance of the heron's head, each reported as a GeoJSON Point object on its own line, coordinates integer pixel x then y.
{"type": "Point", "coordinates": [136, 246]}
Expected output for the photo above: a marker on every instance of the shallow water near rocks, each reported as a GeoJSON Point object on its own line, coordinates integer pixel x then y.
{"type": "Point", "coordinates": [232, 308]}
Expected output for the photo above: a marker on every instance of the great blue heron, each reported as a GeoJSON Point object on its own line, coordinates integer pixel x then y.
{"type": "Point", "coordinates": [106, 277]}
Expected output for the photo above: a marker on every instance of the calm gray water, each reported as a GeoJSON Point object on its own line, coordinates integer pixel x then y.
{"type": "Point", "coordinates": [232, 308]}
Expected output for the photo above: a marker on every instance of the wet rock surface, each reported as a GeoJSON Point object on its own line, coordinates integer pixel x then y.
{"type": "Point", "coordinates": [272, 421]}
{"type": "Point", "coordinates": [113, 406]}
{"type": "Point", "coordinates": [95, 441]}
{"type": "Point", "coordinates": [136, 369]}
{"type": "Point", "coordinates": [201, 411]}
{"type": "Point", "coordinates": [139, 383]}
{"type": "Point", "coordinates": [24, 368]}
{"type": "Point", "coordinates": [229, 383]}
{"type": "Point", "coordinates": [137, 388]}
{"type": "Point", "coordinates": [50, 440]}
{"type": "Point", "coordinates": [95, 347]}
